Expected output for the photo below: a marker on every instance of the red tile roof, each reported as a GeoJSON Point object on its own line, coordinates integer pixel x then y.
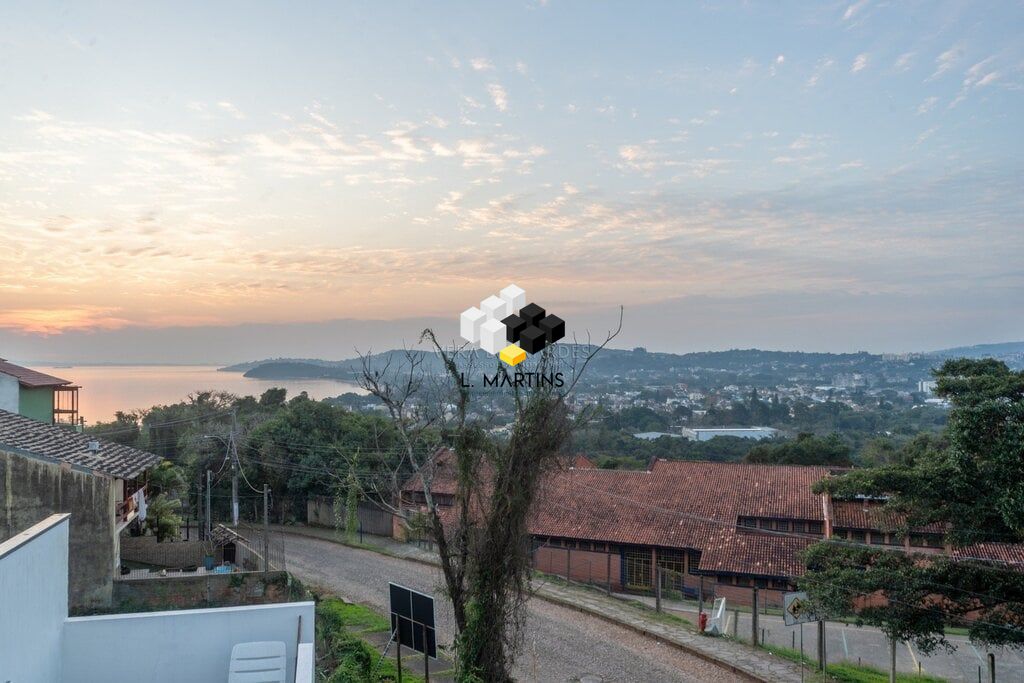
{"type": "Point", "coordinates": [686, 505]}
{"type": "Point", "coordinates": [30, 378]}
{"type": "Point", "coordinates": [737, 551]}
{"type": "Point", "coordinates": [1005, 553]}
{"type": "Point", "coordinates": [868, 514]}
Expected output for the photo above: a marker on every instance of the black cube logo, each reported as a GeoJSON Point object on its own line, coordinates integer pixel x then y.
{"type": "Point", "coordinates": [511, 328]}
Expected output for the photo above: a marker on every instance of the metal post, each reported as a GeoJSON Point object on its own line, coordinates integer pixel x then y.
{"type": "Point", "coordinates": [801, 652]}
{"type": "Point", "coordinates": [657, 589]}
{"type": "Point", "coordinates": [398, 637]}
{"type": "Point", "coordinates": [609, 556]}
{"type": "Point", "coordinates": [735, 623]}
{"type": "Point", "coordinates": [266, 528]}
{"type": "Point", "coordinates": [991, 667]}
{"type": "Point", "coordinates": [753, 619]}
{"type": "Point", "coordinates": [568, 564]}
{"type": "Point", "coordinates": [426, 661]}
{"type": "Point", "coordinates": [892, 660]}
{"type": "Point", "coordinates": [209, 484]}
{"type": "Point", "coordinates": [700, 598]}
{"type": "Point", "coordinates": [822, 658]}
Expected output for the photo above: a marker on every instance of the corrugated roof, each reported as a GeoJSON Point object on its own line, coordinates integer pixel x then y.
{"type": "Point", "coordinates": [30, 378]}
{"type": "Point", "coordinates": [63, 444]}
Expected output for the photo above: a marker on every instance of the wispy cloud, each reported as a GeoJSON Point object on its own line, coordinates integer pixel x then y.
{"type": "Point", "coordinates": [860, 62]}
{"type": "Point", "coordinates": [481, 64]}
{"type": "Point", "coordinates": [498, 95]}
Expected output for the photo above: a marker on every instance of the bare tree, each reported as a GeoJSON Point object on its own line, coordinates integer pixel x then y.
{"type": "Point", "coordinates": [482, 536]}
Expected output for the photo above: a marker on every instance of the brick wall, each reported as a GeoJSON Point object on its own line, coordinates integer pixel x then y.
{"type": "Point", "coordinates": [582, 565]}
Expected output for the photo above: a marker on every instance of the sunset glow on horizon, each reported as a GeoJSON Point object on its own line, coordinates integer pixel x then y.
{"type": "Point", "coordinates": [197, 165]}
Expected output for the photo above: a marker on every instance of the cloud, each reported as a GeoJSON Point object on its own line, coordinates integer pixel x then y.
{"type": "Point", "coordinates": [481, 64]}
{"type": "Point", "coordinates": [820, 68]}
{"type": "Point", "coordinates": [927, 105]}
{"type": "Point", "coordinates": [859, 63]}
{"type": "Point", "coordinates": [498, 95]}
{"type": "Point", "coordinates": [521, 67]}
{"type": "Point", "coordinates": [945, 61]}
{"type": "Point", "coordinates": [902, 62]}
{"type": "Point", "coordinates": [230, 109]}
{"type": "Point", "coordinates": [854, 9]}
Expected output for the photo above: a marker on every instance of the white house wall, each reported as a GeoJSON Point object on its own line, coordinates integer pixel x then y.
{"type": "Point", "coordinates": [34, 602]}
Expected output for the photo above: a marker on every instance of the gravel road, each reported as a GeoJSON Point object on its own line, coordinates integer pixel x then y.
{"type": "Point", "coordinates": [562, 644]}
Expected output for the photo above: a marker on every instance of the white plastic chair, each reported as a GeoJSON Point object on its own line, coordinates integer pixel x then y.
{"type": "Point", "coordinates": [259, 662]}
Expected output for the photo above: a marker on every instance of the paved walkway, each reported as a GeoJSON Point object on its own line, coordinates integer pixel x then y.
{"type": "Point", "coordinates": [755, 663]}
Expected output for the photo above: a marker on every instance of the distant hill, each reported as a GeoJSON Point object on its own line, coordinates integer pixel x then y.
{"type": "Point", "coordinates": [1012, 353]}
{"type": "Point", "coordinates": [753, 365]}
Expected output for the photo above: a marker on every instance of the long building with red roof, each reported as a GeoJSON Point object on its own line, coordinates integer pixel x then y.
{"type": "Point", "coordinates": [718, 528]}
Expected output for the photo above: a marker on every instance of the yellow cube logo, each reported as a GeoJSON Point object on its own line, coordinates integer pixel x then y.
{"type": "Point", "coordinates": [512, 355]}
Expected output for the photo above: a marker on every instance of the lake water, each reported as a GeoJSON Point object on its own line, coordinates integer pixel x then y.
{"type": "Point", "coordinates": [107, 389]}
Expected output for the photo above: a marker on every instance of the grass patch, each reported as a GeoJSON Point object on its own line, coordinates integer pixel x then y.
{"type": "Point", "coordinates": [845, 672]}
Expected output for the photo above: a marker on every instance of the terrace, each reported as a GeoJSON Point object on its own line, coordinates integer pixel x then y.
{"type": "Point", "coordinates": [39, 642]}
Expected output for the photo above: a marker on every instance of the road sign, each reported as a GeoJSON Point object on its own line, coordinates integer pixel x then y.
{"type": "Point", "coordinates": [796, 609]}
{"type": "Point", "coordinates": [412, 619]}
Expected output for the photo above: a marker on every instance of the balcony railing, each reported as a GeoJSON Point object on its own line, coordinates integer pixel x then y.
{"type": "Point", "coordinates": [129, 508]}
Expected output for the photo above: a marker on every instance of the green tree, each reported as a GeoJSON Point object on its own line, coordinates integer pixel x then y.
{"type": "Point", "coordinates": [972, 482]}
{"type": "Point", "coordinates": [806, 449]}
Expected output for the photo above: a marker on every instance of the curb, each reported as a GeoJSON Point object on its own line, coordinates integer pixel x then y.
{"type": "Point", "coordinates": [561, 602]}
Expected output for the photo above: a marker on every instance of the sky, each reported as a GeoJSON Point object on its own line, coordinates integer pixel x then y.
{"type": "Point", "coordinates": [827, 175]}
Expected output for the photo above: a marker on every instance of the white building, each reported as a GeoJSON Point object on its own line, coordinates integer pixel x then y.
{"type": "Point", "coordinates": [40, 643]}
{"type": "Point", "coordinates": [927, 386]}
{"type": "Point", "coordinates": [708, 433]}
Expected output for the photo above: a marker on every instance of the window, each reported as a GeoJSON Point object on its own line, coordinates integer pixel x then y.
{"type": "Point", "coordinates": [893, 539]}
{"type": "Point", "coordinates": [877, 538]}
{"type": "Point", "coordinates": [761, 583]}
{"type": "Point", "coordinates": [815, 528]}
{"type": "Point", "coordinates": [637, 563]}
{"type": "Point", "coordinates": [799, 527]}
{"type": "Point", "coordinates": [858, 536]}
{"type": "Point", "coordinates": [692, 560]}
{"type": "Point", "coordinates": [926, 540]}
{"type": "Point", "coordinates": [748, 522]}
{"type": "Point", "coordinates": [781, 525]}
{"type": "Point", "coordinates": [742, 581]}
{"type": "Point", "coordinates": [585, 545]}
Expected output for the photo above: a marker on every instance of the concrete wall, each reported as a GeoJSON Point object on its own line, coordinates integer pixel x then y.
{"type": "Point", "coordinates": [201, 590]}
{"type": "Point", "coordinates": [9, 393]}
{"type": "Point", "coordinates": [170, 647]}
{"type": "Point", "coordinates": [33, 602]}
{"type": "Point", "coordinates": [31, 489]}
{"type": "Point", "coordinates": [37, 404]}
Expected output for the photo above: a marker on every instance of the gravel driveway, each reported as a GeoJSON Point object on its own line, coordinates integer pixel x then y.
{"type": "Point", "coordinates": [561, 644]}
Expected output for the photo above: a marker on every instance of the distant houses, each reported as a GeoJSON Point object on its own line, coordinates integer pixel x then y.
{"type": "Point", "coordinates": [37, 395]}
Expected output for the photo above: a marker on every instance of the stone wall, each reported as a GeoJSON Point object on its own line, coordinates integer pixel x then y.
{"type": "Point", "coordinates": [32, 489]}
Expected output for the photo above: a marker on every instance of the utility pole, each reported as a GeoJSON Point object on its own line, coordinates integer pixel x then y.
{"type": "Point", "coordinates": [266, 529]}
{"type": "Point", "coordinates": [233, 454]}
{"type": "Point", "coordinates": [209, 485]}
{"type": "Point", "coordinates": [822, 654]}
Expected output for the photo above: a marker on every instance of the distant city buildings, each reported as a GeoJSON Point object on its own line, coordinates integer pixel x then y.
{"type": "Point", "coordinates": [926, 386]}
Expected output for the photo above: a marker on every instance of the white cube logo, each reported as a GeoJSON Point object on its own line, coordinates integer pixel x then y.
{"type": "Point", "coordinates": [496, 308]}
{"type": "Point", "coordinates": [492, 336]}
{"type": "Point", "coordinates": [469, 324]}
{"type": "Point", "coordinates": [515, 297]}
